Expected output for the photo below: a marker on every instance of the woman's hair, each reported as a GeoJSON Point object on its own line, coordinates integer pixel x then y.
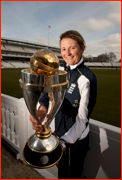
{"type": "Point", "coordinates": [74, 35]}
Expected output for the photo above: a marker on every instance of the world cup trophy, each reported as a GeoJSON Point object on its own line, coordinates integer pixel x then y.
{"type": "Point", "coordinates": [43, 81]}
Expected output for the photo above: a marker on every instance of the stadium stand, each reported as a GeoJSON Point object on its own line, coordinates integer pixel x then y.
{"type": "Point", "coordinates": [17, 53]}
{"type": "Point", "coordinates": [14, 48]}
{"type": "Point", "coordinates": [106, 64]}
{"type": "Point", "coordinates": [116, 64]}
{"type": "Point", "coordinates": [5, 64]}
{"type": "Point", "coordinates": [30, 50]}
{"type": "Point", "coordinates": [3, 47]}
{"type": "Point", "coordinates": [19, 56]}
{"type": "Point", "coordinates": [19, 64]}
{"type": "Point", "coordinates": [103, 65]}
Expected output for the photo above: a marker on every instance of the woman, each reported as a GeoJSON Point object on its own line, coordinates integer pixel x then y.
{"type": "Point", "coordinates": [72, 119]}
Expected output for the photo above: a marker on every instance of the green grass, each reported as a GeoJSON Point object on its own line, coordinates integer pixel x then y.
{"type": "Point", "coordinates": [108, 105]}
{"type": "Point", "coordinates": [10, 82]}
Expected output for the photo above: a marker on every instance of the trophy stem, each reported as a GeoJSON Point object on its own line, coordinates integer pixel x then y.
{"type": "Point", "coordinates": [45, 133]}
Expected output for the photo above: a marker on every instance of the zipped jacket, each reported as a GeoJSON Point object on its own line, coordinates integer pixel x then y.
{"type": "Point", "coordinates": [71, 121]}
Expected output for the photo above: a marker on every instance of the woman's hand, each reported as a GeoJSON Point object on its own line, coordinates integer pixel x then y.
{"type": "Point", "coordinates": [62, 144]}
{"type": "Point", "coordinates": [41, 113]}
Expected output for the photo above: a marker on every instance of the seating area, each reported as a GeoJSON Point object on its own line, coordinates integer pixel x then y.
{"type": "Point", "coordinates": [103, 64]}
{"type": "Point", "coordinates": [17, 55]}
{"type": "Point", "coordinates": [30, 50]}
{"type": "Point", "coordinates": [15, 52]}
{"type": "Point", "coordinates": [19, 64]}
{"type": "Point", "coordinates": [3, 47]}
{"type": "Point", "coordinates": [5, 64]}
{"type": "Point", "coordinates": [26, 64]}
{"type": "Point", "coordinates": [14, 64]}
{"type": "Point", "coordinates": [14, 48]}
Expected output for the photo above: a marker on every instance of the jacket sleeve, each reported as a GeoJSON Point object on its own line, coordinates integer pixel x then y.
{"type": "Point", "coordinates": [44, 100]}
{"type": "Point", "coordinates": [77, 129]}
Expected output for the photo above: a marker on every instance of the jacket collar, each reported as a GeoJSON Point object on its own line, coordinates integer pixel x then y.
{"type": "Point", "coordinates": [74, 66]}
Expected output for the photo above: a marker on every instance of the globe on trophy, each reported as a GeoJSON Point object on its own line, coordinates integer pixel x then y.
{"type": "Point", "coordinates": [43, 82]}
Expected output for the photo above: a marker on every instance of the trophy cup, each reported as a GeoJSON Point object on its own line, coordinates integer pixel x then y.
{"type": "Point", "coordinates": [42, 150]}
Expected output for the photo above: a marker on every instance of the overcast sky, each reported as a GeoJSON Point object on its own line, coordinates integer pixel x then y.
{"type": "Point", "coordinates": [99, 22]}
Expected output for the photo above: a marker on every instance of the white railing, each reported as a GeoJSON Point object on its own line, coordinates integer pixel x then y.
{"type": "Point", "coordinates": [9, 121]}
{"type": "Point", "coordinates": [14, 122]}
{"type": "Point", "coordinates": [103, 161]}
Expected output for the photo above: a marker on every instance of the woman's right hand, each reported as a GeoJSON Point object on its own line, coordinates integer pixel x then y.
{"type": "Point", "coordinates": [35, 125]}
{"type": "Point", "coordinates": [41, 113]}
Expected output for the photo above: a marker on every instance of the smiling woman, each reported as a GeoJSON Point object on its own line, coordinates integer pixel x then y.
{"type": "Point", "coordinates": [72, 47]}
{"type": "Point", "coordinates": [71, 51]}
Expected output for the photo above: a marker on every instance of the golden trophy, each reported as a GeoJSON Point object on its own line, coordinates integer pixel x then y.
{"type": "Point", "coordinates": [42, 150]}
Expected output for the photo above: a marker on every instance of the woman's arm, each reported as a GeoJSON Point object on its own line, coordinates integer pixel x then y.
{"type": "Point", "coordinates": [75, 132]}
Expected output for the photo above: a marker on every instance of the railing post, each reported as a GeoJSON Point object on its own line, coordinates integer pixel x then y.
{"type": "Point", "coordinates": [16, 130]}
{"type": "Point", "coordinates": [12, 133]}
{"type": "Point", "coordinates": [3, 121]}
{"type": "Point", "coordinates": [23, 125]}
{"type": "Point", "coordinates": [7, 125]}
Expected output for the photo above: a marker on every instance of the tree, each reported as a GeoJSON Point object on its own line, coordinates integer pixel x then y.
{"type": "Point", "coordinates": [87, 58]}
{"type": "Point", "coordinates": [103, 57]}
{"type": "Point", "coordinates": [112, 57]}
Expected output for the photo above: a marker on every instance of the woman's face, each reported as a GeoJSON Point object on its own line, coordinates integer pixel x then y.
{"type": "Point", "coordinates": [70, 51]}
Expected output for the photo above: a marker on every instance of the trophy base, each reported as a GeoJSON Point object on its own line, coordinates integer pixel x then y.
{"type": "Point", "coordinates": [42, 159]}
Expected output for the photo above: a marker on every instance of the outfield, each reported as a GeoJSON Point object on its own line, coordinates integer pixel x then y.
{"type": "Point", "coordinates": [108, 106]}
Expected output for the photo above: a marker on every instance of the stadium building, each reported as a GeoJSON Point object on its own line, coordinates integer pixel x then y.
{"type": "Point", "coordinates": [17, 53]}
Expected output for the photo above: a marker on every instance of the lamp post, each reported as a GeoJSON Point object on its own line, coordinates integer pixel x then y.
{"type": "Point", "coordinates": [48, 34]}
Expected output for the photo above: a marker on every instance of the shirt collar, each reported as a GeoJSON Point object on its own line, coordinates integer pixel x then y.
{"type": "Point", "coordinates": [74, 66]}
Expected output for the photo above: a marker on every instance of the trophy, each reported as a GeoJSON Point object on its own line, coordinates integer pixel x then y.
{"type": "Point", "coordinates": [43, 81]}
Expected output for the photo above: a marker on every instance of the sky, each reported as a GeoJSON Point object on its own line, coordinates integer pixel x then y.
{"type": "Point", "coordinates": [99, 22]}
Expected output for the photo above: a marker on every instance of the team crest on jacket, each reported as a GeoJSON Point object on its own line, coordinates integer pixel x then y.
{"type": "Point", "coordinates": [71, 88]}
